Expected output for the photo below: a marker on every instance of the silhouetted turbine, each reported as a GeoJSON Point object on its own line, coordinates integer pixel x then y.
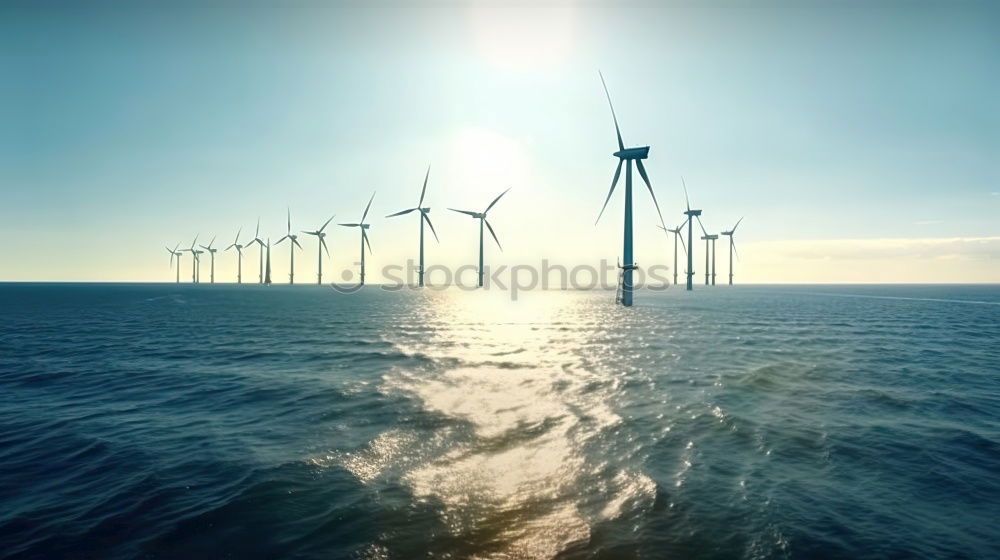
{"type": "Point", "coordinates": [481, 216]}
{"type": "Point", "coordinates": [256, 239]}
{"type": "Point", "coordinates": [364, 236]}
{"type": "Point", "coordinates": [627, 156]}
{"type": "Point", "coordinates": [175, 253]}
{"type": "Point", "coordinates": [423, 218]}
{"type": "Point", "coordinates": [239, 251]}
{"type": "Point", "coordinates": [321, 247]}
{"type": "Point", "coordinates": [291, 248]}
{"type": "Point", "coordinates": [211, 254]}
{"type": "Point", "coordinates": [690, 254]}
{"type": "Point", "coordinates": [677, 235]}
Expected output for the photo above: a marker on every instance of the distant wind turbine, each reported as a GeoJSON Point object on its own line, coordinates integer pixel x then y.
{"type": "Point", "coordinates": [364, 236]}
{"type": "Point", "coordinates": [690, 224]}
{"type": "Point", "coordinates": [709, 252]}
{"type": "Point", "coordinates": [194, 260]}
{"type": "Point", "coordinates": [677, 235]}
{"type": "Point", "coordinates": [239, 251]}
{"type": "Point", "coordinates": [627, 156]}
{"type": "Point", "coordinates": [321, 247]}
{"type": "Point", "coordinates": [256, 239]}
{"type": "Point", "coordinates": [291, 248]}
{"type": "Point", "coordinates": [423, 218]}
{"type": "Point", "coordinates": [732, 249]}
{"type": "Point", "coordinates": [481, 216]}
{"type": "Point", "coordinates": [175, 253]}
{"type": "Point", "coordinates": [211, 254]}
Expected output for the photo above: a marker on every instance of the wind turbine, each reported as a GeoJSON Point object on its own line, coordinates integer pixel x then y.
{"type": "Point", "coordinates": [194, 261]}
{"type": "Point", "coordinates": [481, 216]}
{"type": "Point", "coordinates": [690, 254]}
{"type": "Point", "coordinates": [197, 263]}
{"type": "Point", "coordinates": [423, 218]}
{"type": "Point", "coordinates": [364, 236]}
{"type": "Point", "coordinates": [175, 253]}
{"type": "Point", "coordinates": [677, 235]}
{"type": "Point", "coordinates": [709, 251]}
{"type": "Point", "coordinates": [211, 254]}
{"type": "Point", "coordinates": [732, 249]}
{"type": "Point", "coordinates": [321, 247]}
{"type": "Point", "coordinates": [239, 251]}
{"type": "Point", "coordinates": [291, 248]}
{"type": "Point", "coordinates": [256, 239]}
{"type": "Point", "coordinates": [627, 156]}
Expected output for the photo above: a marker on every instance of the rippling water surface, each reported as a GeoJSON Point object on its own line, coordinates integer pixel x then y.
{"type": "Point", "coordinates": [752, 422]}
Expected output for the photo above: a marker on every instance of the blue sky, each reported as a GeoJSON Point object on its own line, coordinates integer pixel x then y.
{"type": "Point", "coordinates": [853, 136]}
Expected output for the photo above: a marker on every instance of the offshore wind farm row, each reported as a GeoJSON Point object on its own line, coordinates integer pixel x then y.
{"type": "Point", "coordinates": [627, 157]}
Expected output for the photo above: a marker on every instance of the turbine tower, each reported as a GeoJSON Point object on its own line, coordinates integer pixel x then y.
{"type": "Point", "coordinates": [690, 254]}
{"type": "Point", "coordinates": [197, 265]}
{"type": "Point", "coordinates": [627, 156]}
{"type": "Point", "coordinates": [291, 248]}
{"type": "Point", "coordinates": [321, 247]}
{"type": "Point", "coordinates": [423, 218]}
{"type": "Point", "coordinates": [256, 239]}
{"type": "Point", "coordinates": [732, 248]}
{"type": "Point", "coordinates": [175, 253]}
{"type": "Point", "coordinates": [364, 236]}
{"type": "Point", "coordinates": [211, 254]}
{"type": "Point", "coordinates": [709, 253]}
{"type": "Point", "coordinates": [677, 235]}
{"type": "Point", "coordinates": [267, 270]}
{"type": "Point", "coordinates": [239, 251]}
{"type": "Point", "coordinates": [481, 216]}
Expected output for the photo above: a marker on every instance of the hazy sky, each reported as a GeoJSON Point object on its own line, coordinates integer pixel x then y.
{"type": "Point", "coordinates": [860, 140]}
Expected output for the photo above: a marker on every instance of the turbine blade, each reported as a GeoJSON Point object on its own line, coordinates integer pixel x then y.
{"type": "Point", "coordinates": [733, 242]}
{"type": "Point", "coordinates": [289, 220]}
{"type": "Point", "coordinates": [493, 233]}
{"type": "Point", "coordinates": [614, 182]}
{"type": "Point", "coordinates": [310, 232]}
{"type": "Point", "coordinates": [424, 190]}
{"type": "Point", "coordinates": [230, 247]}
{"type": "Point", "coordinates": [683, 245]}
{"type": "Point", "coordinates": [737, 225]}
{"type": "Point", "coordinates": [323, 243]}
{"type": "Point", "coordinates": [621, 145]}
{"type": "Point", "coordinates": [426, 217]}
{"type": "Point", "coordinates": [296, 242]}
{"type": "Point", "coordinates": [256, 233]}
{"type": "Point", "coordinates": [349, 225]}
{"type": "Point", "coordinates": [238, 232]}
{"type": "Point", "coordinates": [363, 216]}
{"type": "Point", "coordinates": [280, 240]}
{"type": "Point", "coordinates": [686, 199]}
{"type": "Point", "coordinates": [645, 178]}
{"type": "Point", "coordinates": [212, 242]}
{"type": "Point", "coordinates": [364, 235]}
{"type": "Point", "coordinates": [702, 226]}
{"type": "Point", "coordinates": [326, 223]}
{"type": "Point", "coordinates": [473, 214]}
{"type": "Point", "coordinates": [400, 213]}
{"type": "Point", "coordinates": [495, 200]}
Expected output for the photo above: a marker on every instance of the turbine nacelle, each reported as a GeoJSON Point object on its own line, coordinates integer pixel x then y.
{"type": "Point", "coordinates": [633, 153]}
{"type": "Point", "coordinates": [693, 213]}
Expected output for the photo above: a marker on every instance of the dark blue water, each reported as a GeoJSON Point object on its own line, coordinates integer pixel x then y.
{"type": "Point", "coordinates": [758, 422]}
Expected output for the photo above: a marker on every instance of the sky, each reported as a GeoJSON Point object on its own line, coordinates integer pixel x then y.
{"type": "Point", "coordinates": [860, 141]}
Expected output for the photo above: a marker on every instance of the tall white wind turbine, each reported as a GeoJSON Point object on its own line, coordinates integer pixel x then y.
{"type": "Point", "coordinates": [211, 254]}
{"type": "Point", "coordinates": [321, 247]}
{"type": "Point", "coordinates": [677, 236]}
{"type": "Point", "coordinates": [239, 251]}
{"type": "Point", "coordinates": [481, 216]}
{"type": "Point", "coordinates": [424, 217]}
{"type": "Point", "coordinates": [194, 260]}
{"type": "Point", "coordinates": [364, 236]}
{"type": "Point", "coordinates": [291, 248]}
{"type": "Point", "coordinates": [627, 156]}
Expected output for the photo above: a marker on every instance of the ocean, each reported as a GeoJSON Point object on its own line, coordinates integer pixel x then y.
{"type": "Point", "coordinates": [222, 421]}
